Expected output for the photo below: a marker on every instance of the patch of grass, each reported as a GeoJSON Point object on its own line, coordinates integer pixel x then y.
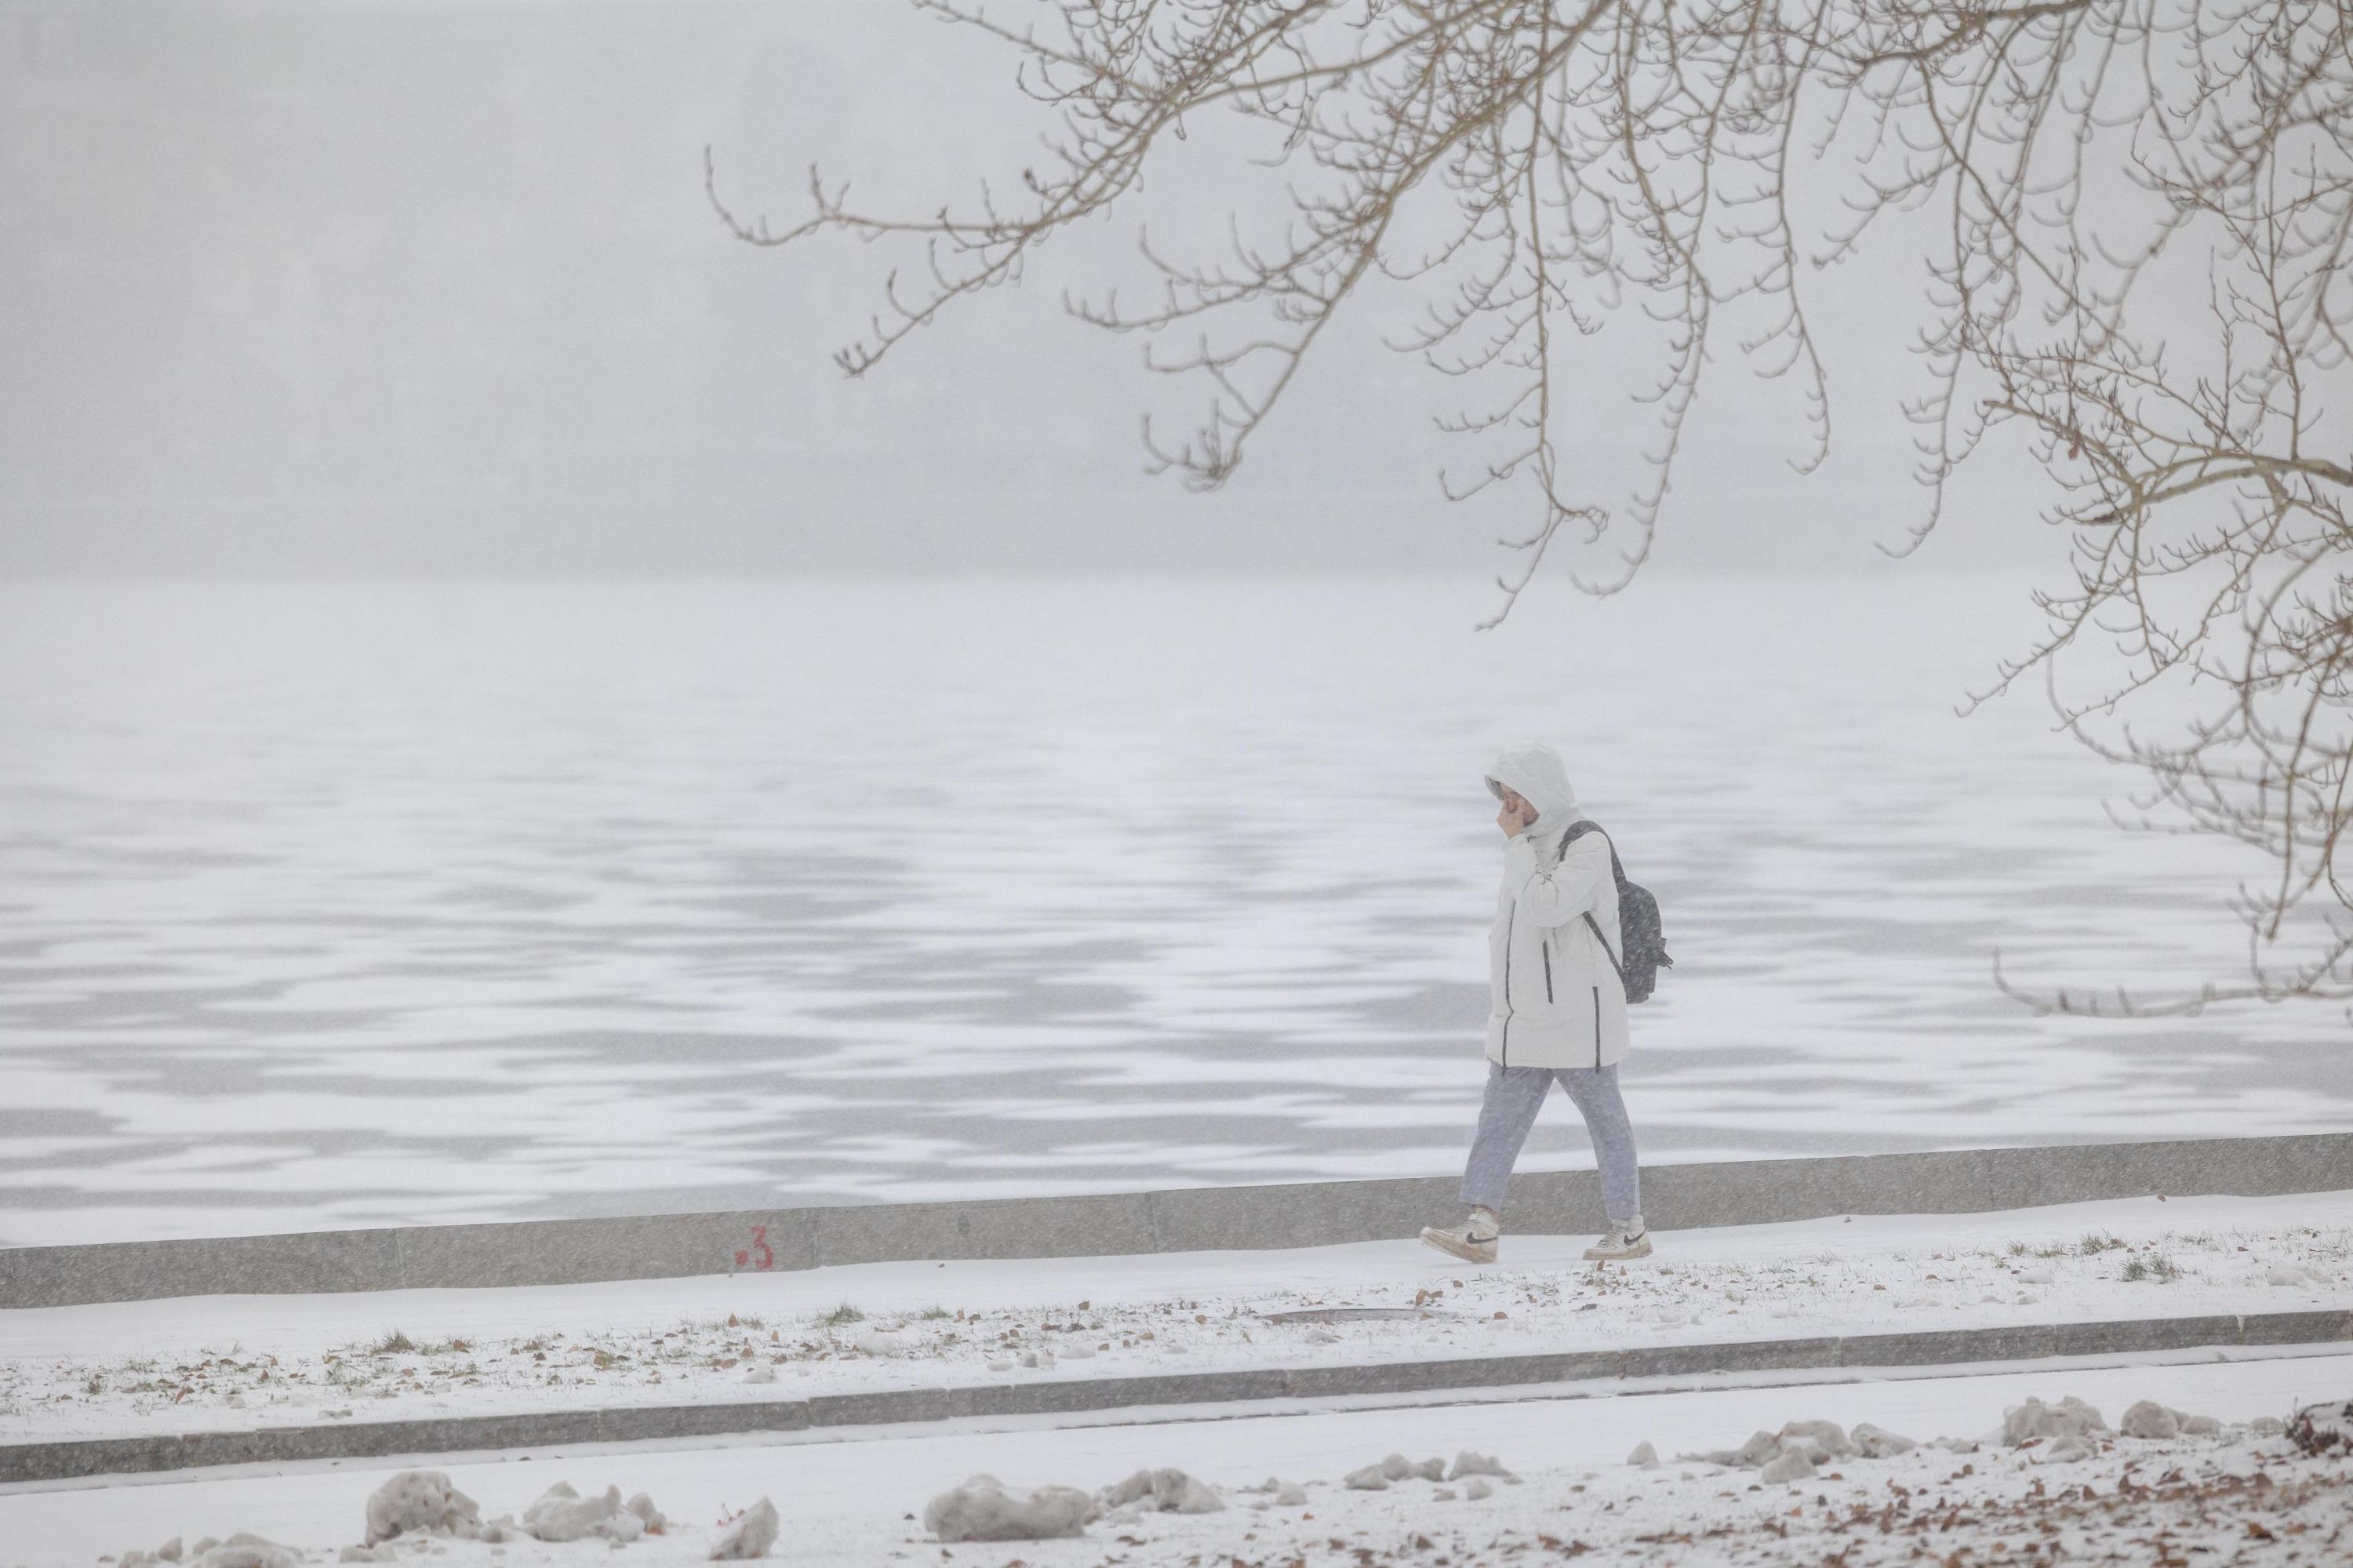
{"type": "Point", "coordinates": [841, 1316]}
{"type": "Point", "coordinates": [393, 1343]}
{"type": "Point", "coordinates": [2155, 1265]}
{"type": "Point", "coordinates": [2098, 1242]}
{"type": "Point", "coordinates": [2019, 1249]}
{"type": "Point", "coordinates": [934, 1314]}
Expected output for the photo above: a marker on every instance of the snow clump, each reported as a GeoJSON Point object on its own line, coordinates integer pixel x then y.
{"type": "Point", "coordinates": [1467, 1463]}
{"type": "Point", "coordinates": [750, 1537]}
{"type": "Point", "coordinates": [244, 1551]}
{"type": "Point", "coordinates": [1878, 1443]}
{"type": "Point", "coordinates": [1797, 1450]}
{"type": "Point", "coordinates": [1645, 1457]}
{"type": "Point", "coordinates": [2150, 1419]}
{"type": "Point", "coordinates": [1820, 1440]}
{"type": "Point", "coordinates": [982, 1510]}
{"type": "Point", "coordinates": [562, 1514]}
{"type": "Point", "coordinates": [421, 1502]}
{"type": "Point", "coordinates": [1368, 1479]}
{"type": "Point", "coordinates": [1166, 1491]}
{"type": "Point", "coordinates": [2323, 1429]}
{"type": "Point", "coordinates": [1276, 1493]}
{"type": "Point", "coordinates": [2070, 1418]}
{"type": "Point", "coordinates": [1398, 1468]}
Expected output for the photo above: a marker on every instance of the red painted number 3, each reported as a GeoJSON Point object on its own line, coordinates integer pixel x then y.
{"type": "Point", "coordinates": [757, 1255]}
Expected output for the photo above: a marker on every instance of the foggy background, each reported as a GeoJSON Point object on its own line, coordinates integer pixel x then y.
{"type": "Point", "coordinates": [433, 286]}
{"type": "Point", "coordinates": [448, 772]}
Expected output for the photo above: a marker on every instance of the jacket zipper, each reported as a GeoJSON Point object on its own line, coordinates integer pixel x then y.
{"type": "Point", "coordinates": [1511, 924]}
{"type": "Point", "coordinates": [1546, 950]}
{"type": "Point", "coordinates": [1597, 1026]}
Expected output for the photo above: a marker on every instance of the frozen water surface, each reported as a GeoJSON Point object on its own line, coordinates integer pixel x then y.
{"type": "Point", "coordinates": [384, 904]}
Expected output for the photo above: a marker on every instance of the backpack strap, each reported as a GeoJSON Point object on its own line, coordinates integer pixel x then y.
{"type": "Point", "coordinates": [1577, 829]}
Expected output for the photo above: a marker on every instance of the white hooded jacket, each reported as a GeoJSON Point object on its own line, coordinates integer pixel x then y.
{"type": "Point", "coordinates": [1556, 997]}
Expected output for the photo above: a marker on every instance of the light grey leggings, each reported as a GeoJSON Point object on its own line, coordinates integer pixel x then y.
{"type": "Point", "coordinates": [1514, 1095]}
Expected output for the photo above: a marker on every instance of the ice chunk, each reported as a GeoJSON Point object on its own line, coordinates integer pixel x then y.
{"type": "Point", "coordinates": [170, 1550]}
{"type": "Point", "coordinates": [1645, 1457]}
{"type": "Point", "coordinates": [2289, 1274]}
{"type": "Point", "coordinates": [748, 1537]}
{"type": "Point", "coordinates": [2197, 1425]}
{"type": "Point", "coordinates": [1878, 1443]}
{"type": "Point", "coordinates": [1788, 1467]}
{"type": "Point", "coordinates": [1467, 1463]}
{"type": "Point", "coordinates": [2149, 1419]}
{"type": "Point", "coordinates": [982, 1510]}
{"type": "Point", "coordinates": [384, 1554]}
{"type": "Point", "coordinates": [2067, 1450]}
{"type": "Point", "coordinates": [1293, 1495]}
{"type": "Point", "coordinates": [1368, 1479]}
{"type": "Point", "coordinates": [422, 1502]}
{"type": "Point", "coordinates": [650, 1517]}
{"type": "Point", "coordinates": [763, 1373]}
{"type": "Point", "coordinates": [1476, 1490]}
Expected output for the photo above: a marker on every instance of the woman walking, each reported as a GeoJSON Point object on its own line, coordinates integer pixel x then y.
{"type": "Point", "coordinates": [1557, 1011]}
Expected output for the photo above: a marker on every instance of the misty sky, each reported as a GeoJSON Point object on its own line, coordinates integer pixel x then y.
{"type": "Point", "coordinates": [433, 286]}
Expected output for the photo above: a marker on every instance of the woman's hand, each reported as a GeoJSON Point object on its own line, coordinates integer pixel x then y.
{"type": "Point", "coordinates": [1517, 815]}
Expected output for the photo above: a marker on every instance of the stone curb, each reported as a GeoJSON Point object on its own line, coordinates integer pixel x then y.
{"type": "Point", "coordinates": [1204, 1219]}
{"type": "Point", "coordinates": [379, 1439]}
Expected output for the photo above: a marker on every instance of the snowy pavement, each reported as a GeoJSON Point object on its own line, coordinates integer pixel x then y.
{"type": "Point", "coordinates": [2239, 1493]}
{"type": "Point", "coordinates": [239, 1362]}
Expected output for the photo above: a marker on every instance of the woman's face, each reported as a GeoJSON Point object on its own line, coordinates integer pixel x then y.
{"type": "Point", "coordinates": [1515, 803]}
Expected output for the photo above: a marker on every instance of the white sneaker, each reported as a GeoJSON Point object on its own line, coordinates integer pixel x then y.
{"type": "Point", "coordinates": [1473, 1241]}
{"type": "Point", "coordinates": [1622, 1242]}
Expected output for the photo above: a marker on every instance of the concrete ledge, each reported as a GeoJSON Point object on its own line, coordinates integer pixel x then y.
{"type": "Point", "coordinates": [1206, 1219]}
{"type": "Point", "coordinates": [381, 1439]}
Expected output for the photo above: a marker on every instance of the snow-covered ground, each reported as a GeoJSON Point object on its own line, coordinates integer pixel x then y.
{"type": "Point", "coordinates": [2236, 1495]}
{"type": "Point", "coordinates": [401, 903]}
{"type": "Point", "coordinates": [237, 1361]}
